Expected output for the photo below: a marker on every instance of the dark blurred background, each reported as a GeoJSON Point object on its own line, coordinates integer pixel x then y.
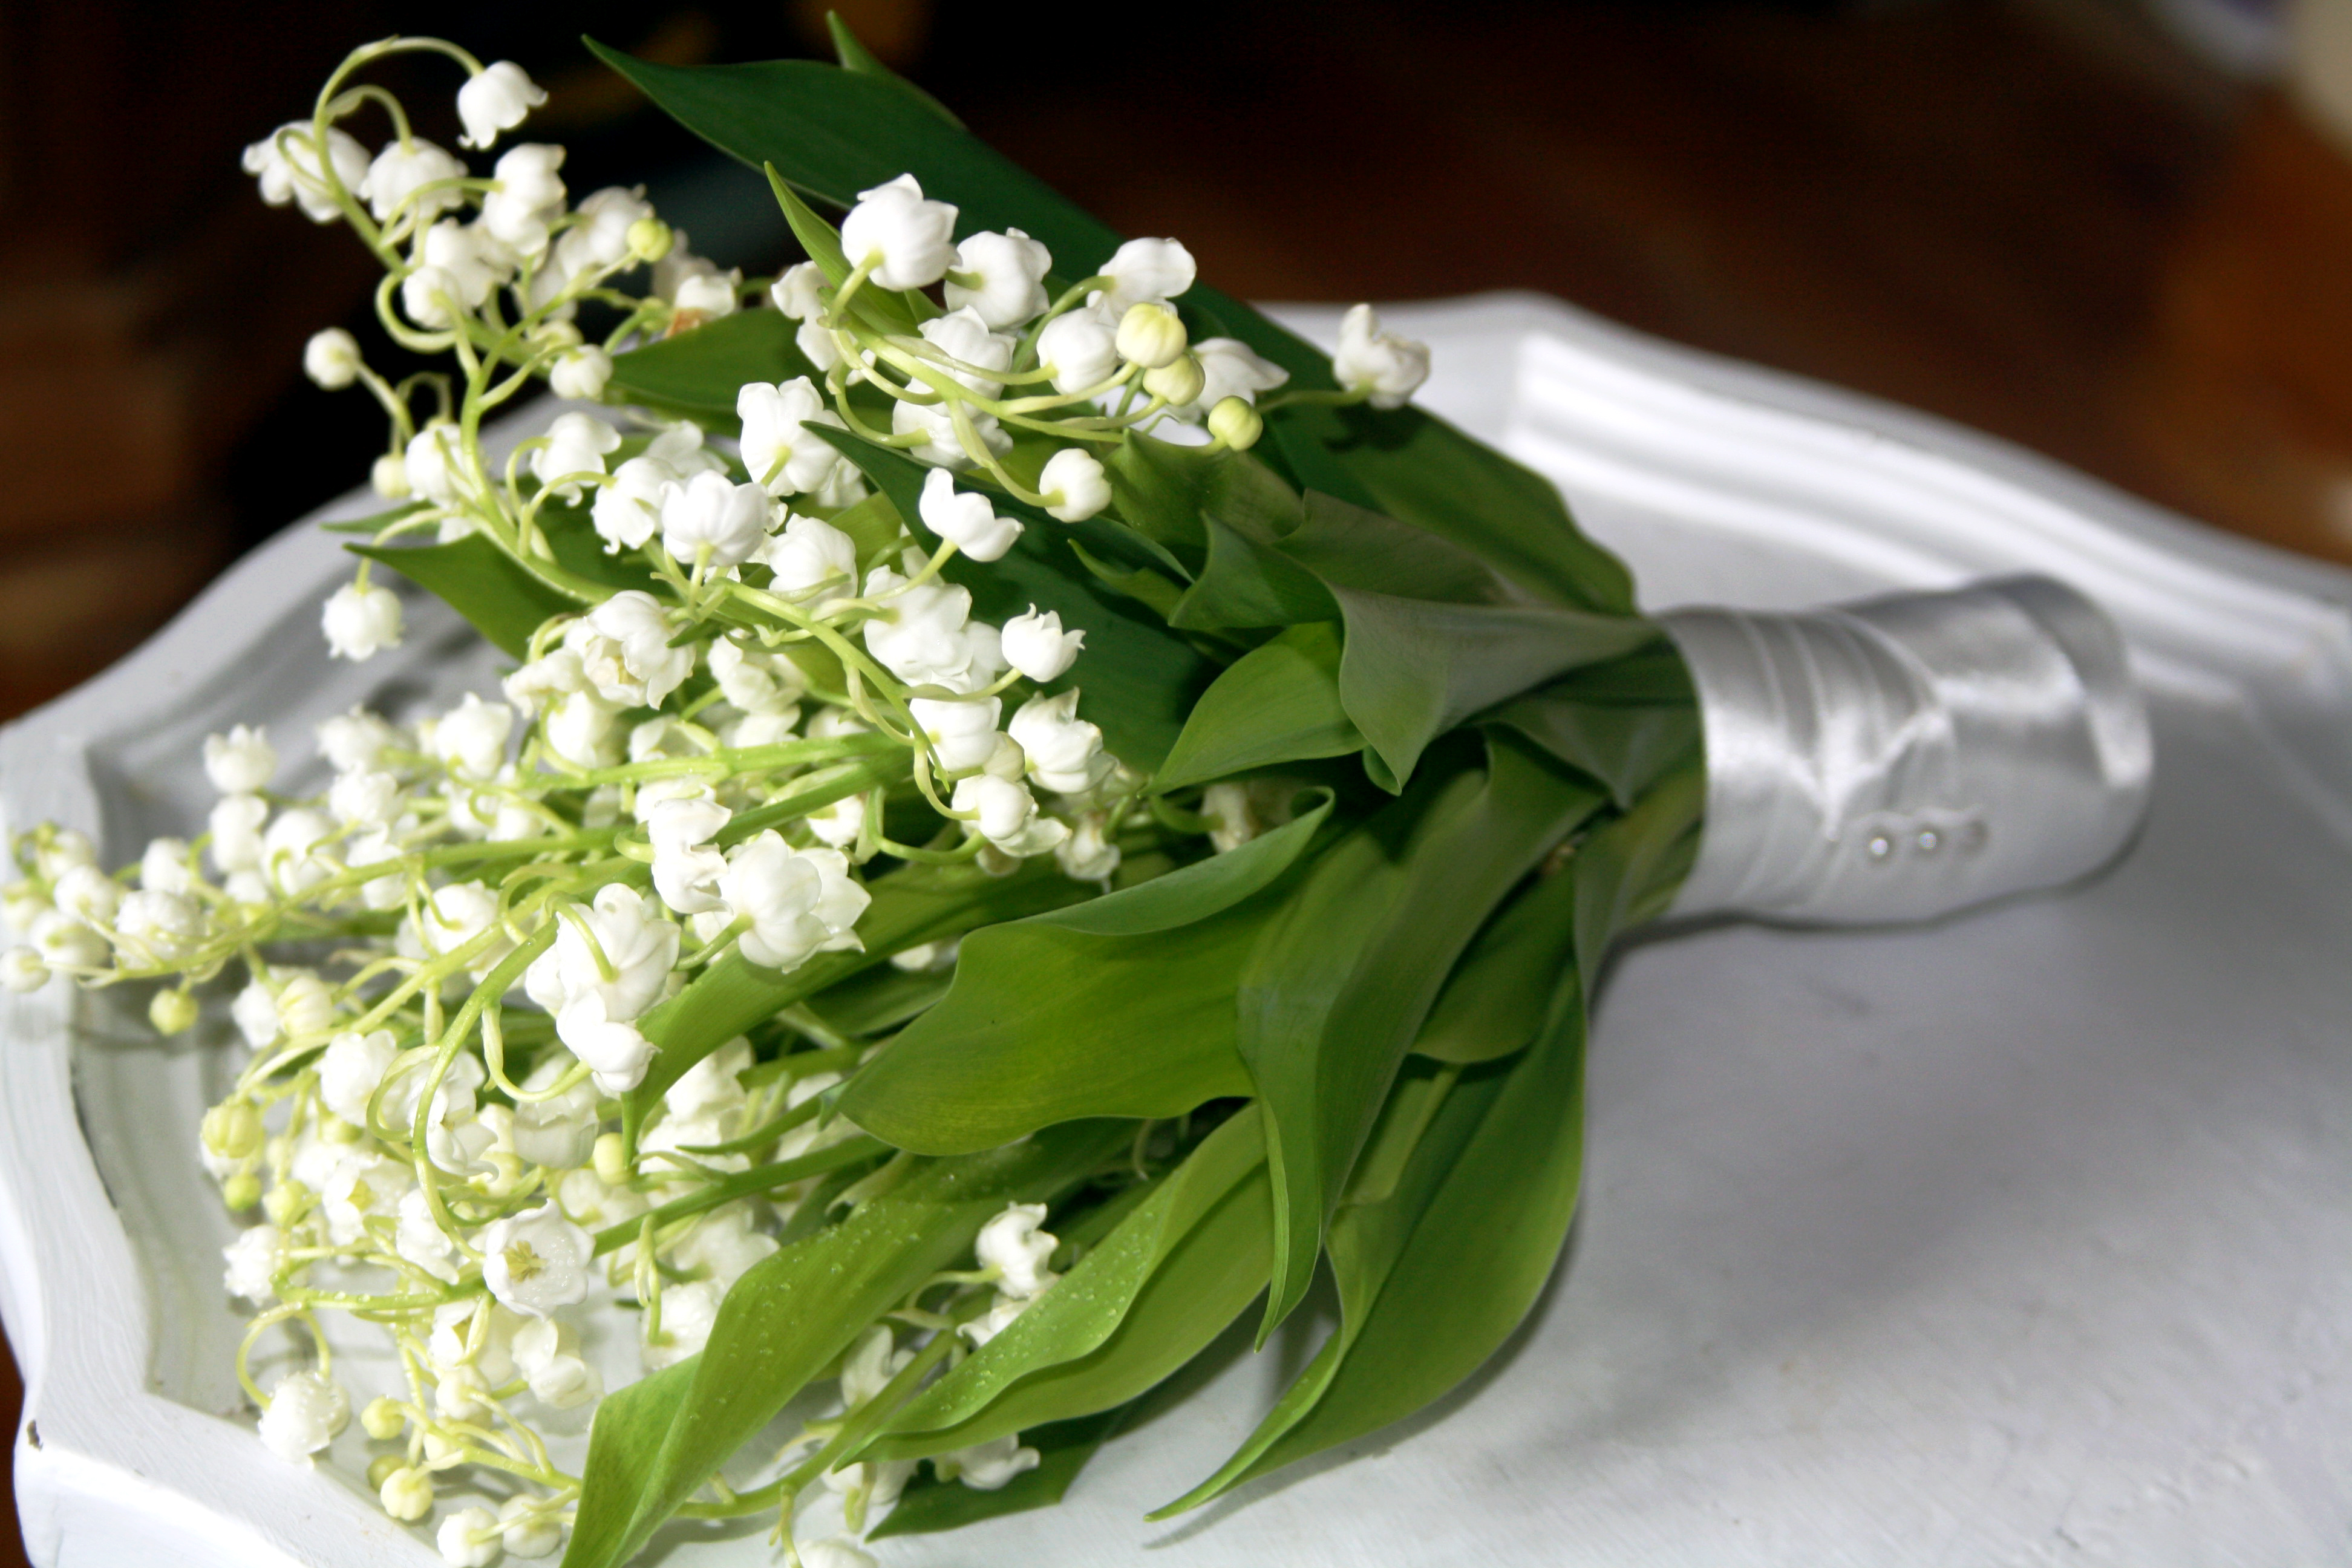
{"type": "Point", "coordinates": [2117, 231]}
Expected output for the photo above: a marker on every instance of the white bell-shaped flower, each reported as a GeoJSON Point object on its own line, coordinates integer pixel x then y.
{"type": "Point", "coordinates": [618, 950]}
{"type": "Point", "coordinates": [711, 519]}
{"type": "Point", "coordinates": [360, 622]}
{"type": "Point", "coordinates": [401, 172]}
{"type": "Point", "coordinates": [235, 824]}
{"type": "Point", "coordinates": [470, 740]}
{"type": "Point", "coordinates": [287, 165]}
{"type": "Point", "coordinates": [471, 1537]}
{"type": "Point", "coordinates": [687, 1312]}
{"type": "Point", "coordinates": [1081, 349]}
{"type": "Point", "coordinates": [724, 1247]}
{"type": "Point", "coordinates": [839, 1550]}
{"type": "Point", "coordinates": [1010, 1244]}
{"type": "Point", "coordinates": [1087, 855]}
{"type": "Point", "coordinates": [363, 1187]}
{"type": "Point", "coordinates": [920, 638]}
{"type": "Point", "coordinates": [708, 292]}
{"type": "Point", "coordinates": [963, 735]}
{"type": "Point", "coordinates": [433, 463]}
{"type": "Point", "coordinates": [1150, 271]}
{"type": "Point", "coordinates": [547, 1353]}
{"type": "Point", "coordinates": [352, 1069]}
{"type": "Point", "coordinates": [299, 852]}
{"type": "Point", "coordinates": [559, 1131]}
{"type": "Point", "coordinates": [1002, 809]}
{"type": "Point", "coordinates": [995, 1321]}
{"type": "Point", "coordinates": [306, 1410]}
{"type": "Point", "coordinates": [240, 761]}
{"type": "Point", "coordinates": [1231, 368]}
{"type": "Point", "coordinates": [355, 740]}
{"type": "Point", "coordinates": [530, 197]}
{"type": "Point", "coordinates": [942, 446]}
{"type": "Point", "coordinates": [965, 519]}
{"type": "Point", "coordinates": [536, 1261]}
{"type": "Point", "coordinates": [1064, 751]}
{"type": "Point", "coordinates": [576, 444]}
{"type": "Point", "coordinates": [88, 895]}
{"type": "Point", "coordinates": [497, 99]}
{"type": "Point", "coordinates": [617, 1051]}
{"type": "Point", "coordinates": [164, 867]}
{"type": "Point", "coordinates": [630, 660]}
{"type": "Point", "coordinates": [581, 373]}
{"type": "Point", "coordinates": [779, 451]}
{"type": "Point", "coordinates": [418, 1237]}
{"type": "Point", "coordinates": [628, 511]}
{"type": "Point", "coordinates": [798, 292]}
{"type": "Point", "coordinates": [254, 1259]}
{"type": "Point", "coordinates": [1074, 485]}
{"type": "Point", "coordinates": [797, 901]}
{"type": "Point", "coordinates": [1006, 275]}
{"type": "Point", "coordinates": [1035, 644]}
{"type": "Point", "coordinates": [808, 553]}
{"type": "Point", "coordinates": [989, 1466]}
{"type": "Point", "coordinates": [1391, 366]}
{"type": "Point", "coordinates": [909, 242]}
{"type": "Point", "coordinates": [755, 680]}
{"type": "Point", "coordinates": [964, 337]}
{"type": "Point", "coordinates": [598, 238]}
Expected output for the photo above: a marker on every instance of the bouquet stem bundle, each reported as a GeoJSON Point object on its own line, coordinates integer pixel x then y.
{"type": "Point", "coordinates": [742, 973]}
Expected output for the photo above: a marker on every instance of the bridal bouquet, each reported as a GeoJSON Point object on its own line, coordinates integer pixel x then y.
{"type": "Point", "coordinates": [1031, 812]}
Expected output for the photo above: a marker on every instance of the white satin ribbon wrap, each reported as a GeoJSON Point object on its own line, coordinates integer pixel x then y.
{"type": "Point", "coordinates": [1900, 757]}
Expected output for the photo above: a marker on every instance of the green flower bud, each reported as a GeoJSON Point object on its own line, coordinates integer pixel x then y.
{"type": "Point", "coordinates": [241, 1191]}
{"type": "Point", "coordinates": [382, 1420]}
{"type": "Point", "coordinates": [380, 1470]}
{"type": "Point", "coordinates": [1151, 335]}
{"type": "Point", "coordinates": [233, 1129]}
{"type": "Point", "coordinates": [650, 239]}
{"type": "Point", "coordinates": [172, 1012]}
{"type": "Point", "coordinates": [283, 1202]}
{"type": "Point", "coordinates": [1179, 380]}
{"type": "Point", "coordinates": [1236, 424]}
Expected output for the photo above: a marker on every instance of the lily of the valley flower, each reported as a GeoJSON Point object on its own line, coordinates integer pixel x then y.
{"type": "Point", "coordinates": [1013, 1246]}
{"type": "Point", "coordinates": [360, 622]}
{"type": "Point", "coordinates": [306, 1410]}
{"type": "Point", "coordinates": [287, 165]}
{"type": "Point", "coordinates": [797, 901]}
{"type": "Point", "coordinates": [536, 1261]}
{"type": "Point", "coordinates": [1064, 751]}
{"type": "Point", "coordinates": [499, 98]}
{"type": "Point", "coordinates": [965, 519]}
{"type": "Point", "coordinates": [1035, 644]}
{"type": "Point", "coordinates": [1074, 485]}
{"type": "Point", "coordinates": [1389, 367]}
{"type": "Point", "coordinates": [907, 241]}
{"type": "Point", "coordinates": [711, 519]}
{"type": "Point", "coordinates": [240, 761]}
{"type": "Point", "coordinates": [576, 444]}
{"type": "Point", "coordinates": [1150, 271]}
{"type": "Point", "coordinates": [1002, 277]}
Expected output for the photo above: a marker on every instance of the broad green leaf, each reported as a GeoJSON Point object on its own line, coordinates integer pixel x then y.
{"type": "Point", "coordinates": [1421, 1088]}
{"type": "Point", "coordinates": [503, 600]}
{"type": "Point", "coordinates": [855, 55]}
{"type": "Point", "coordinates": [1433, 1278]}
{"type": "Point", "coordinates": [1062, 1448]}
{"type": "Point", "coordinates": [794, 1312]}
{"type": "Point", "coordinates": [1247, 584]}
{"type": "Point", "coordinates": [1066, 1014]}
{"type": "Point", "coordinates": [1434, 635]}
{"type": "Point", "coordinates": [1626, 747]}
{"type": "Point", "coordinates": [1497, 997]}
{"type": "Point", "coordinates": [1153, 590]}
{"type": "Point", "coordinates": [1277, 704]}
{"type": "Point", "coordinates": [697, 373]}
{"type": "Point", "coordinates": [912, 906]}
{"type": "Point", "coordinates": [1079, 1313]}
{"type": "Point", "coordinates": [1336, 991]}
{"type": "Point", "coordinates": [377, 522]}
{"type": "Point", "coordinates": [1629, 870]}
{"type": "Point", "coordinates": [627, 1433]}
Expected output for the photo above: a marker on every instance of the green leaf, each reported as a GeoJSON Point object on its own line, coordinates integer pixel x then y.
{"type": "Point", "coordinates": [912, 906]}
{"type": "Point", "coordinates": [1062, 1448]}
{"type": "Point", "coordinates": [629, 1426]}
{"type": "Point", "coordinates": [1434, 635]}
{"type": "Point", "coordinates": [1068, 1015]}
{"type": "Point", "coordinates": [1073, 1318]}
{"type": "Point", "coordinates": [1248, 584]}
{"type": "Point", "coordinates": [856, 56]}
{"type": "Point", "coordinates": [377, 522]}
{"type": "Point", "coordinates": [1434, 1277]}
{"type": "Point", "coordinates": [1629, 870]}
{"type": "Point", "coordinates": [697, 373]}
{"type": "Point", "coordinates": [1336, 989]}
{"type": "Point", "coordinates": [1497, 997]}
{"type": "Point", "coordinates": [473, 577]}
{"type": "Point", "coordinates": [1277, 704]}
{"type": "Point", "coordinates": [1147, 587]}
{"type": "Point", "coordinates": [1627, 748]}
{"type": "Point", "coordinates": [795, 1312]}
